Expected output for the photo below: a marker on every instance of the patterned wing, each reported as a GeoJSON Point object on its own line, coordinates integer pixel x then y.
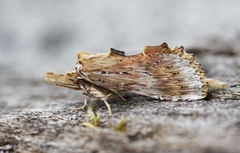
{"type": "Point", "coordinates": [158, 72]}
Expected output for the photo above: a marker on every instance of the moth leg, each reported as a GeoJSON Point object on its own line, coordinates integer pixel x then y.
{"type": "Point", "coordinates": [109, 108]}
{"type": "Point", "coordinates": [85, 104]}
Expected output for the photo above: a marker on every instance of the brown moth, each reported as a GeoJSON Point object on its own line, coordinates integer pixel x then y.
{"type": "Point", "coordinates": [159, 72]}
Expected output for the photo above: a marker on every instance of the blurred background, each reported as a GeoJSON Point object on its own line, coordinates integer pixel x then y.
{"type": "Point", "coordinates": [40, 36]}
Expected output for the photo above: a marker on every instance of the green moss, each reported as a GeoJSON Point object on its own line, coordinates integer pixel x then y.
{"type": "Point", "coordinates": [121, 125]}
{"type": "Point", "coordinates": [94, 121]}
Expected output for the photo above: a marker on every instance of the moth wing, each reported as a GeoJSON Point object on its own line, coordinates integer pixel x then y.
{"type": "Point", "coordinates": [158, 72]}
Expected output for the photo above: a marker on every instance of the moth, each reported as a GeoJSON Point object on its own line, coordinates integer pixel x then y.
{"type": "Point", "coordinates": [158, 72]}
